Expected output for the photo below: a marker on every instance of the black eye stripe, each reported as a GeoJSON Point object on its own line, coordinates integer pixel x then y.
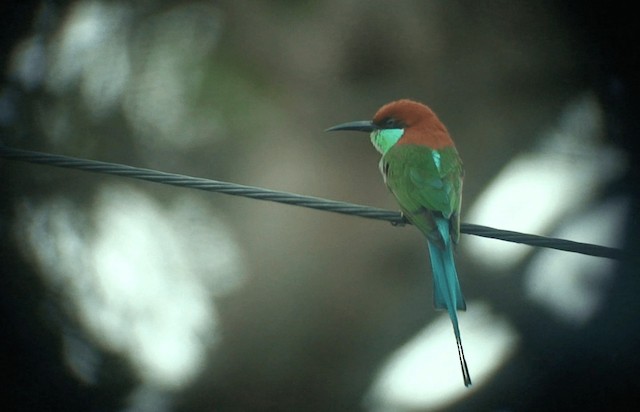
{"type": "Point", "coordinates": [390, 123]}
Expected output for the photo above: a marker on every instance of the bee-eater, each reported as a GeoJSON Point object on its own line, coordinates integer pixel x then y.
{"type": "Point", "coordinates": [422, 168]}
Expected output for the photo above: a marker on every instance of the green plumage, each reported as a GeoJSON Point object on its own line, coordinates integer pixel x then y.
{"type": "Point", "coordinates": [424, 187]}
{"type": "Point", "coordinates": [422, 169]}
{"type": "Point", "coordinates": [428, 186]}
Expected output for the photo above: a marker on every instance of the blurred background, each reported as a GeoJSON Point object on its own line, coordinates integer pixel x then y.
{"type": "Point", "coordinates": [120, 295]}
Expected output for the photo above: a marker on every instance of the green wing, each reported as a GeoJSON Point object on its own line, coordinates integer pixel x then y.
{"type": "Point", "coordinates": [426, 183]}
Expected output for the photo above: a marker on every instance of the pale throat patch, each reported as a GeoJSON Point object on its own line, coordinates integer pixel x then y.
{"type": "Point", "coordinates": [384, 139]}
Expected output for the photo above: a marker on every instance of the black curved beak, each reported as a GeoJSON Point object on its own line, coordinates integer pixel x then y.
{"type": "Point", "coordinates": [360, 126]}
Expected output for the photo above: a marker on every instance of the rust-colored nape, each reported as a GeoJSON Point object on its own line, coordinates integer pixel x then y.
{"type": "Point", "coordinates": [422, 126]}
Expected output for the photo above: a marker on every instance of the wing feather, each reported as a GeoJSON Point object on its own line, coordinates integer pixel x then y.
{"type": "Point", "coordinates": [426, 185]}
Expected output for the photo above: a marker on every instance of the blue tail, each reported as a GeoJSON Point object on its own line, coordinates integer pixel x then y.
{"type": "Point", "coordinates": [446, 288]}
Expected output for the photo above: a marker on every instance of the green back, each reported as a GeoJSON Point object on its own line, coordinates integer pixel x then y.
{"type": "Point", "coordinates": [426, 181]}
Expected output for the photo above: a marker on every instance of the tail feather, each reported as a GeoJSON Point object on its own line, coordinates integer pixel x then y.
{"type": "Point", "coordinates": [463, 363]}
{"type": "Point", "coordinates": [446, 288]}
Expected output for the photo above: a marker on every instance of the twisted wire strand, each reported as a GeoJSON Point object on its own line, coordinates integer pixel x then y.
{"type": "Point", "coordinates": [234, 189]}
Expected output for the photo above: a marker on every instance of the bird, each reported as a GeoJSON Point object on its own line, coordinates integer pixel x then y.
{"type": "Point", "coordinates": [422, 168]}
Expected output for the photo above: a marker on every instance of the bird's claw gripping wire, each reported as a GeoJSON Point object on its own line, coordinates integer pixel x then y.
{"type": "Point", "coordinates": [401, 221]}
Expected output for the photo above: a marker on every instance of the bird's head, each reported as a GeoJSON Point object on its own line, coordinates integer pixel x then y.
{"type": "Point", "coordinates": [401, 122]}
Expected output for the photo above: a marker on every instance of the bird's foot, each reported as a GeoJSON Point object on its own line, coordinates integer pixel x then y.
{"type": "Point", "coordinates": [402, 221]}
